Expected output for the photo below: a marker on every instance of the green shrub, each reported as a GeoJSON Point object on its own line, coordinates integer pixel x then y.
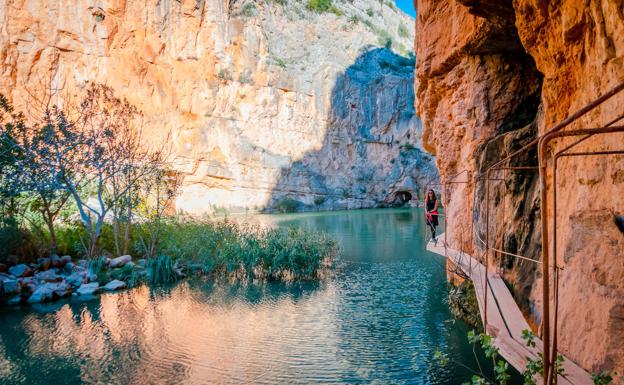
{"type": "Point", "coordinates": [335, 10]}
{"type": "Point", "coordinates": [161, 270]}
{"type": "Point", "coordinates": [402, 30]}
{"type": "Point", "coordinates": [248, 10]}
{"type": "Point", "coordinates": [286, 205]}
{"type": "Point", "coordinates": [319, 6]}
{"type": "Point", "coordinates": [354, 19]}
{"type": "Point", "coordinates": [384, 39]}
{"type": "Point", "coordinates": [319, 200]}
{"type": "Point", "coordinates": [462, 301]}
{"type": "Point", "coordinates": [280, 62]}
{"type": "Point", "coordinates": [223, 74]}
{"type": "Point", "coordinates": [370, 12]}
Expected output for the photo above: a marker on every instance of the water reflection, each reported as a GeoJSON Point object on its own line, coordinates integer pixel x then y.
{"type": "Point", "coordinates": [378, 321]}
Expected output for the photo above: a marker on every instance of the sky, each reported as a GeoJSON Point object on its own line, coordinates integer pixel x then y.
{"type": "Point", "coordinates": [407, 6]}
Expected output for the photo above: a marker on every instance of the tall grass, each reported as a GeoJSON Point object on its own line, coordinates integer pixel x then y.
{"type": "Point", "coordinates": [245, 251]}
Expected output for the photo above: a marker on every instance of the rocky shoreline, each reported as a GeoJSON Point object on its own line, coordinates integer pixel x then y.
{"type": "Point", "coordinates": [59, 277]}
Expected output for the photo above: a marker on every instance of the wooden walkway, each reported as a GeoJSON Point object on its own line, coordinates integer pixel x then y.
{"type": "Point", "coordinates": [505, 320]}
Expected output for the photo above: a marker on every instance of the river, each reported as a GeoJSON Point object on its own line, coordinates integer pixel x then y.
{"type": "Point", "coordinates": [379, 320]}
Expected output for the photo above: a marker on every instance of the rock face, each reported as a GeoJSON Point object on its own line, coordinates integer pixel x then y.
{"type": "Point", "coordinates": [503, 74]}
{"type": "Point", "coordinates": [253, 93]}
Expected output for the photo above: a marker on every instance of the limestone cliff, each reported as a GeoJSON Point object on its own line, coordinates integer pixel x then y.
{"type": "Point", "coordinates": [494, 75]}
{"type": "Point", "coordinates": [256, 94]}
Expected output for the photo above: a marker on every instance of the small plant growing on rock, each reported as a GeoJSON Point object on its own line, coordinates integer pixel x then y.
{"type": "Point", "coordinates": [601, 378]}
{"type": "Point", "coordinates": [319, 200]}
{"type": "Point", "coordinates": [223, 74]}
{"type": "Point", "coordinates": [402, 30]}
{"type": "Point", "coordinates": [370, 12]}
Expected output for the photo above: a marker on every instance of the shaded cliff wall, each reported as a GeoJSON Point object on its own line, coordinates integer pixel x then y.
{"type": "Point", "coordinates": [501, 73]}
{"type": "Point", "coordinates": [244, 86]}
{"type": "Point", "coordinates": [372, 152]}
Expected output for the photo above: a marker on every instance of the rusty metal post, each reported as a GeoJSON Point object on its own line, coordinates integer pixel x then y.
{"type": "Point", "coordinates": [541, 154]}
{"type": "Point", "coordinates": [487, 247]}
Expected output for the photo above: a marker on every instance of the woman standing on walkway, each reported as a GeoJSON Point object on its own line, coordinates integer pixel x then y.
{"type": "Point", "coordinates": [431, 213]}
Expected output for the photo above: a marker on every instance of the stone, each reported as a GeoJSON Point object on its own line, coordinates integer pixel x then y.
{"type": "Point", "coordinates": [76, 279]}
{"type": "Point", "coordinates": [65, 259]}
{"type": "Point", "coordinates": [114, 285]}
{"type": "Point", "coordinates": [88, 288]}
{"type": "Point", "coordinates": [43, 293]}
{"type": "Point", "coordinates": [11, 286]}
{"type": "Point", "coordinates": [63, 289]}
{"type": "Point", "coordinates": [120, 261]}
{"type": "Point", "coordinates": [48, 276]}
{"type": "Point", "coordinates": [30, 284]}
{"type": "Point", "coordinates": [44, 263]}
{"type": "Point", "coordinates": [14, 300]}
{"type": "Point", "coordinates": [21, 270]}
{"type": "Point", "coordinates": [83, 263]}
{"type": "Point", "coordinates": [69, 267]}
{"type": "Point", "coordinates": [55, 260]}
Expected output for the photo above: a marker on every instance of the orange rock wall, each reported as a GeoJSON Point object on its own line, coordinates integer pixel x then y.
{"type": "Point", "coordinates": [477, 63]}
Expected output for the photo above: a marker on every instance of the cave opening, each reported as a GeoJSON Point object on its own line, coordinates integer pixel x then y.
{"type": "Point", "coordinates": [402, 197]}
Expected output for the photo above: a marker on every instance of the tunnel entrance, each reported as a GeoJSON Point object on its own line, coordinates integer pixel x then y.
{"type": "Point", "coordinates": [402, 197]}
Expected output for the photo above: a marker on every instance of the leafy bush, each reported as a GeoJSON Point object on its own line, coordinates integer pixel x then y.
{"type": "Point", "coordinates": [322, 6]}
{"type": "Point", "coordinates": [319, 200]}
{"type": "Point", "coordinates": [248, 10]}
{"type": "Point", "coordinates": [287, 205]}
{"type": "Point", "coordinates": [402, 30]}
{"type": "Point", "coordinates": [370, 12]}
{"type": "Point", "coordinates": [385, 40]}
{"type": "Point", "coordinates": [223, 74]}
{"type": "Point", "coordinates": [354, 19]}
{"type": "Point", "coordinates": [462, 301]}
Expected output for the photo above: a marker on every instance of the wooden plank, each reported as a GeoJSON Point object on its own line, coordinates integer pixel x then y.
{"type": "Point", "coordinates": [505, 320]}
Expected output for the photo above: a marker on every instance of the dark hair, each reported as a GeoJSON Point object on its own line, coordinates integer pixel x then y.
{"type": "Point", "coordinates": [427, 195]}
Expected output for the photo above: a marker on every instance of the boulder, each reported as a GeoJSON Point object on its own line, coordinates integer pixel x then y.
{"type": "Point", "coordinates": [43, 293]}
{"type": "Point", "coordinates": [20, 270]}
{"type": "Point", "coordinates": [63, 289]}
{"type": "Point", "coordinates": [69, 267]}
{"type": "Point", "coordinates": [56, 261]}
{"type": "Point", "coordinates": [115, 285]}
{"type": "Point", "coordinates": [14, 300]}
{"type": "Point", "coordinates": [88, 288]}
{"type": "Point", "coordinates": [48, 276]}
{"type": "Point", "coordinates": [65, 259]}
{"type": "Point", "coordinates": [120, 261]}
{"type": "Point", "coordinates": [44, 263]}
{"type": "Point", "coordinates": [76, 279]}
{"type": "Point", "coordinates": [83, 263]}
{"type": "Point", "coordinates": [28, 283]}
{"type": "Point", "coordinates": [11, 286]}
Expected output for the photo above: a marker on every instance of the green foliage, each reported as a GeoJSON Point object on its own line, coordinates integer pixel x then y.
{"type": "Point", "coordinates": [384, 39]}
{"type": "Point", "coordinates": [161, 270]}
{"type": "Point", "coordinates": [245, 78]}
{"type": "Point", "coordinates": [225, 248]}
{"type": "Point", "coordinates": [601, 378]}
{"type": "Point", "coordinates": [319, 200]}
{"type": "Point", "coordinates": [529, 338]}
{"type": "Point", "coordinates": [248, 10]}
{"type": "Point", "coordinates": [402, 30]}
{"type": "Point", "coordinates": [391, 5]}
{"type": "Point", "coordinates": [462, 301]}
{"type": "Point", "coordinates": [223, 74]}
{"type": "Point", "coordinates": [323, 6]}
{"type": "Point", "coordinates": [370, 12]}
{"type": "Point", "coordinates": [280, 62]}
{"type": "Point", "coordinates": [354, 19]}
{"type": "Point", "coordinates": [441, 358]}
{"type": "Point", "coordinates": [286, 205]}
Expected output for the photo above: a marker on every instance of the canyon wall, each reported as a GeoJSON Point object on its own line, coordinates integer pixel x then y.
{"type": "Point", "coordinates": [492, 76]}
{"type": "Point", "coordinates": [252, 94]}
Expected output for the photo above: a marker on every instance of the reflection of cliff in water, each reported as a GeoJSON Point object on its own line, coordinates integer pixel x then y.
{"type": "Point", "coordinates": [371, 155]}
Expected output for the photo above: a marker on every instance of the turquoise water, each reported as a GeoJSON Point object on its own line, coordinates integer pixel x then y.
{"type": "Point", "coordinates": [378, 321]}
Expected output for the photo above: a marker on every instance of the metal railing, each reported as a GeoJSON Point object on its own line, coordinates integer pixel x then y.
{"type": "Point", "coordinates": [542, 142]}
